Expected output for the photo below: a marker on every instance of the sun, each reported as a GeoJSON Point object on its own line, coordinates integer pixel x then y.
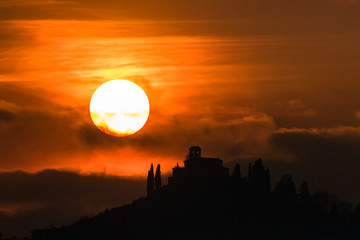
{"type": "Point", "coordinates": [119, 108]}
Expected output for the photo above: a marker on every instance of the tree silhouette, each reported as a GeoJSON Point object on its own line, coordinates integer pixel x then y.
{"type": "Point", "coordinates": [237, 173]}
{"type": "Point", "coordinates": [158, 178]}
{"type": "Point", "coordinates": [219, 206]}
{"type": "Point", "coordinates": [285, 192]}
{"type": "Point", "coordinates": [304, 192]}
{"type": "Point", "coordinates": [150, 181]}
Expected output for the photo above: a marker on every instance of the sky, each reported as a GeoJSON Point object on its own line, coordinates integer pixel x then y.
{"type": "Point", "coordinates": [242, 79]}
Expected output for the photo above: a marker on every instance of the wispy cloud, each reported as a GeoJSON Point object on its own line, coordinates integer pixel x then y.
{"type": "Point", "coordinates": [8, 3]}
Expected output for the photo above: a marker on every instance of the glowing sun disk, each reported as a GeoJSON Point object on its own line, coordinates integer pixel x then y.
{"type": "Point", "coordinates": [119, 108]}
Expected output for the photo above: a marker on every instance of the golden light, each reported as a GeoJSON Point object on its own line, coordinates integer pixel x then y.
{"type": "Point", "coordinates": [119, 108]}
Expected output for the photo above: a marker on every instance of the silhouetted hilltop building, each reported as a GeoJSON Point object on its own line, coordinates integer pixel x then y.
{"type": "Point", "coordinates": [197, 167]}
{"type": "Point", "coordinates": [207, 203]}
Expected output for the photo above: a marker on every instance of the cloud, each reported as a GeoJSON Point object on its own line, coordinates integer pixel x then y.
{"type": "Point", "coordinates": [296, 107]}
{"type": "Point", "coordinates": [241, 135]}
{"type": "Point", "coordinates": [41, 133]}
{"type": "Point", "coordinates": [32, 2]}
{"type": "Point", "coordinates": [229, 17]}
{"type": "Point", "coordinates": [326, 158]}
{"type": "Point", "coordinates": [6, 116]}
{"type": "Point", "coordinates": [34, 128]}
{"type": "Point", "coordinates": [55, 198]}
{"type": "Point", "coordinates": [225, 76]}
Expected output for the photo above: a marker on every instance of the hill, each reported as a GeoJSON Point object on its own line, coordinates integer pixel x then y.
{"type": "Point", "coordinates": [202, 201]}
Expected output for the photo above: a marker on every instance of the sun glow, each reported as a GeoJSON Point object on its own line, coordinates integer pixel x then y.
{"type": "Point", "coordinates": [119, 108]}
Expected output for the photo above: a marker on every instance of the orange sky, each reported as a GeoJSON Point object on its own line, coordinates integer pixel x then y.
{"type": "Point", "coordinates": [231, 76]}
{"type": "Point", "coordinates": [242, 79]}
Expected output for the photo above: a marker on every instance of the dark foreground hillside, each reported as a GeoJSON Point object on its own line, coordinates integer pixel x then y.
{"type": "Point", "coordinates": [199, 204]}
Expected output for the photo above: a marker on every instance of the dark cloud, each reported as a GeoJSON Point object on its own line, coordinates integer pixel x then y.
{"type": "Point", "coordinates": [38, 9]}
{"type": "Point", "coordinates": [239, 136]}
{"type": "Point", "coordinates": [34, 127]}
{"type": "Point", "coordinates": [267, 17]}
{"type": "Point", "coordinates": [210, 84]}
{"type": "Point", "coordinates": [328, 159]}
{"type": "Point", "coordinates": [6, 116]}
{"type": "Point", "coordinates": [53, 197]}
{"type": "Point", "coordinates": [43, 133]}
{"type": "Point", "coordinates": [34, 136]}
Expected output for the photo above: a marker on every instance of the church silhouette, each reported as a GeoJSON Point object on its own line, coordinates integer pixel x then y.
{"type": "Point", "coordinates": [201, 171]}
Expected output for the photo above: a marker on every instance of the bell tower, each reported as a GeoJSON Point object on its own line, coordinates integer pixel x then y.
{"type": "Point", "coordinates": [195, 152]}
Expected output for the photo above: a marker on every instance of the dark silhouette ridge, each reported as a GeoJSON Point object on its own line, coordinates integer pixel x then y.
{"type": "Point", "coordinates": [202, 201]}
